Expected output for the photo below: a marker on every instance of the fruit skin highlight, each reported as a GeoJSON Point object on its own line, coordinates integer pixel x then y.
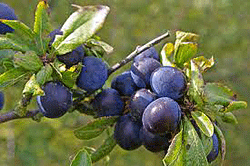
{"type": "Point", "coordinates": [108, 103]}
{"type": "Point", "coordinates": [162, 115]}
{"type": "Point", "coordinates": [6, 13]}
{"type": "Point", "coordinates": [169, 82]}
{"type": "Point", "coordinates": [127, 133]}
{"type": "Point", "coordinates": [93, 75]}
{"type": "Point", "coordinates": [57, 100]}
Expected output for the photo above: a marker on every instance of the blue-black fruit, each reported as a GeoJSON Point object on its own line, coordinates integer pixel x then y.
{"type": "Point", "coordinates": [127, 133]}
{"type": "Point", "coordinates": [149, 53]}
{"type": "Point", "coordinates": [53, 34]}
{"type": "Point", "coordinates": [108, 103]}
{"type": "Point", "coordinates": [6, 13]}
{"type": "Point", "coordinates": [72, 58]}
{"type": "Point", "coordinates": [57, 100]}
{"type": "Point", "coordinates": [168, 82]}
{"type": "Point", "coordinates": [124, 84]}
{"type": "Point", "coordinates": [93, 75]}
{"type": "Point", "coordinates": [1, 100]}
{"type": "Point", "coordinates": [141, 71]}
{"type": "Point", "coordinates": [139, 101]}
{"type": "Point", "coordinates": [215, 151]}
{"type": "Point", "coordinates": [162, 115]}
{"type": "Point", "coordinates": [154, 142]}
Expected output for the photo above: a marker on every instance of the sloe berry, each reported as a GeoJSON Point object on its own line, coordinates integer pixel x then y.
{"type": "Point", "coordinates": [57, 100]}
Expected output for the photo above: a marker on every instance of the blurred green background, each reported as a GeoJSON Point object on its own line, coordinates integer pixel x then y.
{"type": "Point", "coordinates": [224, 29]}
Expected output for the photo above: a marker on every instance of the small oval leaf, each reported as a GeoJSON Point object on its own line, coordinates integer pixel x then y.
{"type": "Point", "coordinates": [196, 87]}
{"type": "Point", "coordinates": [94, 128]}
{"type": "Point", "coordinates": [235, 105]}
{"type": "Point", "coordinates": [104, 149]}
{"type": "Point", "coordinates": [175, 151]}
{"type": "Point", "coordinates": [217, 94]}
{"type": "Point", "coordinates": [82, 159]}
{"type": "Point", "coordinates": [203, 122]}
{"type": "Point", "coordinates": [185, 52]}
{"type": "Point", "coordinates": [166, 52]}
{"type": "Point", "coordinates": [79, 27]}
{"type": "Point", "coordinates": [229, 118]}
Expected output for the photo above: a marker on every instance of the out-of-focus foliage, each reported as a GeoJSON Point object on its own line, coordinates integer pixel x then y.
{"type": "Point", "coordinates": [224, 31]}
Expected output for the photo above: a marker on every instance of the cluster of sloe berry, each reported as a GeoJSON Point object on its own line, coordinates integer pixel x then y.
{"type": "Point", "coordinates": [154, 113]}
{"type": "Point", "coordinates": [153, 91]}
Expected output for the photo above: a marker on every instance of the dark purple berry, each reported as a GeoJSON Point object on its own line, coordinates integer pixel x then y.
{"type": "Point", "coordinates": [154, 142]}
{"type": "Point", "coordinates": [1, 100]}
{"type": "Point", "coordinates": [162, 115]}
{"type": "Point", "coordinates": [57, 100]}
{"type": "Point", "coordinates": [215, 151]}
{"type": "Point", "coordinates": [127, 133]}
{"type": "Point", "coordinates": [6, 13]}
{"type": "Point", "coordinates": [124, 84]}
{"type": "Point", "coordinates": [141, 71]}
{"type": "Point", "coordinates": [149, 53]}
{"type": "Point", "coordinates": [168, 82]}
{"type": "Point", "coordinates": [93, 75]}
{"type": "Point", "coordinates": [108, 103]}
{"type": "Point", "coordinates": [139, 101]}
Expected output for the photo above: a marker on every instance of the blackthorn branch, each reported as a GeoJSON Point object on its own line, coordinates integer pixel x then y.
{"type": "Point", "coordinates": [11, 115]}
{"type": "Point", "coordinates": [137, 51]}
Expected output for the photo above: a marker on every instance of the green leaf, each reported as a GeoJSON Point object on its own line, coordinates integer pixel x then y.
{"type": "Point", "coordinates": [197, 83]}
{"type": "Point", "coordinates": [82, 158]}
{"type": "Point", "coordinates": [204, 63]}
{"type": "Point", "coordinates": [194, 151]}
{"type": "Point", "coordinates": [222, 142]}
{"type": "Point", "coordinates": [185, 52]}
{"type": "Point", "coordinates": [207, 143]}
{"type": "Point", "coordinates": [79, 27]}
{"type": "Point", "coordinates": [175, 152]}
{"type": "Point", "coordinates": [6, 57]}
{"type": "Point", "coordinates": [94, 128]}
{"type": "Point", "coordinates": [29, 61]}
{"type": "Point", "coordinates": [186, 149]}
{"type": "Point", "coordinates": [6, 54]}
{"type": "Point", "coordinates": [217, 94]}
{"type": "Point", "coordinates": [104, 149]}
{"type": "Point", "coordinates": [10, 42]}
{"type": "Point", "coordinates": [44, 74]}
{"type": "Point", "coordinates": [69, 77]}
{"type": "Point", "coordinates": [235, 105]}
{"type": "Point", "coordinates": [228, 118]}
{"type": "Point", "coordinates": [20, 28]}
{"type": "Point", "coordinates": [184, 37]}
{"type": "Point", "coordinates": [32, 87]}
{"type": "Point", "coordinates": [12, 76]}
{"type": "Point", "coordinates": [166, 52]}
{"type": "Point", "coordinates": [203, 122]}
{"type": "Point", "coordinates": [100, 44]}
{"type": "Point", "coordinates": [42, 26]}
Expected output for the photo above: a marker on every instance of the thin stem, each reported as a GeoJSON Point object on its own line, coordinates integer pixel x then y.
{"type": "Point", "coordinates": [137, 51]}
{"type": "Point", "coordinates": [12, 115]}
